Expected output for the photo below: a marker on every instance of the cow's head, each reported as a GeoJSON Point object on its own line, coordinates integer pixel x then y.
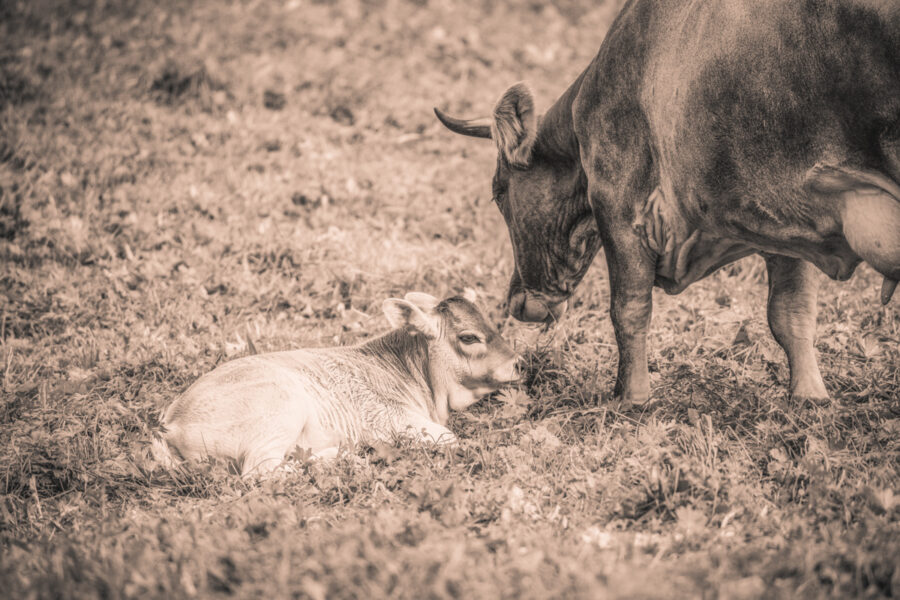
{"type": "Point", "coordinates": [541, 190]}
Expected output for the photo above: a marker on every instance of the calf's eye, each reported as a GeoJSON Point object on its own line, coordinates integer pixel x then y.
{"type": "Point", "coordinates": [468, 338]}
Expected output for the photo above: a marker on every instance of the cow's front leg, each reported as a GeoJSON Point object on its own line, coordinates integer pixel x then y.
{"type": "Point", "coordinates": [793, 286]}
{"type": "Point", "coordinates": [631, 275]}
{"type": "Point", "coordinates": [621, 174]}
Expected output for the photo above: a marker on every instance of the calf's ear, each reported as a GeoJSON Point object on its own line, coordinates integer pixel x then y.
{"type": "Point", "coordinates": [514, 126]}
{"type": "Point", "coordinates": [426, 302]}
{"type": "Point", "coordinates": [403, 313]}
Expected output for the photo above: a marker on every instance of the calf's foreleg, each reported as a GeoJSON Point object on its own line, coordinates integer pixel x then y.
{"type": "Point", "coordinates": [426, 430]}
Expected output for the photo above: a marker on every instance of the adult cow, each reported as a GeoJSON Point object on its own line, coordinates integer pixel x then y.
{"type": "Point", "coordinates": [702, 132]}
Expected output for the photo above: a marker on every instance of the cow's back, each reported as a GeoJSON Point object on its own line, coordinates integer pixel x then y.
{"type": "Point", "coordinates": [743, 97]}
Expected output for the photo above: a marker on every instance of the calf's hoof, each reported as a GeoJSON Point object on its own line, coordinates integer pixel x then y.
{"type": "Point", "coordinates": [325, 454]}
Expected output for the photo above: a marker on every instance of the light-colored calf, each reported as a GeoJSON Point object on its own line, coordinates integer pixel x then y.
{"type": "Point", "coordinates": [255, 410]}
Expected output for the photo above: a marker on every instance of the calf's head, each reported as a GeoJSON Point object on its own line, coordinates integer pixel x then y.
{"type": "Point", "coordinates": [467, 357]}
{"type": "Point", "coordinates": [541, 191]}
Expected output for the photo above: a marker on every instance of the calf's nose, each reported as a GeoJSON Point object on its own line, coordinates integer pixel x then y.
{"type": "Point", "coordinates": [509, 372]}
{"type": "Point", "coordinates": [518, 367]}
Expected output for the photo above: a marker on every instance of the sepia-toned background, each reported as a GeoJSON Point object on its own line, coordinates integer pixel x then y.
{"type": "Point", "coordinates": [186, 182]}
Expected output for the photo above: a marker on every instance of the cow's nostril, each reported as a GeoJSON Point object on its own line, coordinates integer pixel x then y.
{"type": "Point", "coordinates": [557, 310]}
{"type": "Point", "coordinates": [516, 305]}
{"type": "Point", "coordinates": [534, 310]}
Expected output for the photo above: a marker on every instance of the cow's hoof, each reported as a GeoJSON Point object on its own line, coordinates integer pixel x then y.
{"type": "Point", "coordinates": [812, 395]}
{"type": "Point", "coordinates": [810, 401]}
{"type": "Point", "coordinates": [629, 403]}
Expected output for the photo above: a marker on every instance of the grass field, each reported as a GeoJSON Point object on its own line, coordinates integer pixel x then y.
{"type": "Point", "coordinates": [184, 183]}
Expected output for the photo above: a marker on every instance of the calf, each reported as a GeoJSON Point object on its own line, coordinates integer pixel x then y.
{"type": "Point", "coordinates": [254, 410]}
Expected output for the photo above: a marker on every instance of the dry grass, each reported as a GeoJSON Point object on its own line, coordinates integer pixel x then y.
{"type": "Point", "coordinates": [181, 184]}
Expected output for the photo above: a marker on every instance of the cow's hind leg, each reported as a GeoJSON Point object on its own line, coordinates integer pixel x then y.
{"type": "Point", "coordinates": [793, 286]}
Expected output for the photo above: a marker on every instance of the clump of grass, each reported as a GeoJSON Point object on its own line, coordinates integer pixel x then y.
{"type": "Point", "coordinates": [182, 81]}
{"type": "Point", "coordinates": [11, 221]}
{"type": "Point", "coordinates": [567, 387]}
{"type": "Point", "coordinates": [16, 87]}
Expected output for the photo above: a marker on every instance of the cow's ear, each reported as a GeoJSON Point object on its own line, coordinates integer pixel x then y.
{"type": "Point", "coordinates": [514, 127]}
{"type": "Point", "coordinates": [403, 313]}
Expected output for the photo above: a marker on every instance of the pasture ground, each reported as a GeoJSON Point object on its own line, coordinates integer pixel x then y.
{"type": "Point", "coordinates": [184, 183]}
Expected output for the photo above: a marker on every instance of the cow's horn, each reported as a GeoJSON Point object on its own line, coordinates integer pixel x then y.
{"type": "Point", "coordinates": [887, 290]}
{"type": "Point", "coordinates": [480, 128]}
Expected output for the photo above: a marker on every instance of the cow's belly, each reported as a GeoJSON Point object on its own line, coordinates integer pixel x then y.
{"type": "Point", "coordinates": [687, 253]}
{"type": "Point", "coordinates": [705, 253]}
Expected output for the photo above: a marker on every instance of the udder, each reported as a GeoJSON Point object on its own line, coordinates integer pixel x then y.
{"type": "Point", "coordinates": [872, 227]}
{"type": "Point", "coordinates": [869, 204]}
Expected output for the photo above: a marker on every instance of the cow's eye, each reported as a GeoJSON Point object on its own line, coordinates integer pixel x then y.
{"type": "Point", "coordinates": [469, 338]}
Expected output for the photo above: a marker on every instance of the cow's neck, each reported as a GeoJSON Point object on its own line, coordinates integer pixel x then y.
{"type": "Point", "coordinates": [556, 134]}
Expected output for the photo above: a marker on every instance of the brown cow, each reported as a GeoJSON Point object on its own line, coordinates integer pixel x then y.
{"type": "Point", "coordinates": [702, 132]}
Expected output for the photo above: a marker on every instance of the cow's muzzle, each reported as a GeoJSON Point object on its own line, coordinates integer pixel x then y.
{"type": "Point", "coordinates": [530, 309]}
